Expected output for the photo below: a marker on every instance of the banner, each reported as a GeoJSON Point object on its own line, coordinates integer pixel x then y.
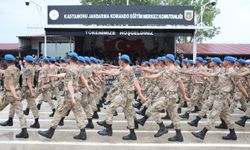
{"type": "Point", "coordinates": [121, 15]}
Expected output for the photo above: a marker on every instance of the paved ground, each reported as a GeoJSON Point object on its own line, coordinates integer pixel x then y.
{"type": "Point", "coordinates": [63, 138]}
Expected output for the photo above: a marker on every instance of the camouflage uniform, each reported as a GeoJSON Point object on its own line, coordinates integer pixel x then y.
{"type": "Point", "coordinates": [13, 73]}
{"type": "Point", "coordinates": [72, 74]}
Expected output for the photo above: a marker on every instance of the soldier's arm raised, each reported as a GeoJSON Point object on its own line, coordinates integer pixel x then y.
{"type": "Point", "coordinates": [153, 76]}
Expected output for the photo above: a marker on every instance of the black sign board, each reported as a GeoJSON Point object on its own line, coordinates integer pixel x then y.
{"type": "Point", "coordinates": [121, 15]}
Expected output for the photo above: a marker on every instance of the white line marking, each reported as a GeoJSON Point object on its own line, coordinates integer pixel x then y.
{"type": "Point", "coordinates": [124, 131]}
{"type": "Point", "coordinates": [128, 144]}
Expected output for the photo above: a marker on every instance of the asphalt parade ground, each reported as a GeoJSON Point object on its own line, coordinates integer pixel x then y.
{"type": "Point", "coordinates": [63, 137]}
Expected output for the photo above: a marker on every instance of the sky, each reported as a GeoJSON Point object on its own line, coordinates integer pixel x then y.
{"type": "Point", "coordinates": [19, 19]}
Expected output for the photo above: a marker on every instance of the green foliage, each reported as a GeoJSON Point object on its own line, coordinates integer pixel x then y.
{"type": "Point", "coordinates": [208, 16]}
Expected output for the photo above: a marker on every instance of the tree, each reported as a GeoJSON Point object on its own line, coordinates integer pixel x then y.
{"type": "Point", "coordinates": [208, 16]}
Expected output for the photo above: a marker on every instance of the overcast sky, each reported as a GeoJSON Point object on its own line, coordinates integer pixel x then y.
{"type": "Point", "coordinates": [16, 17]}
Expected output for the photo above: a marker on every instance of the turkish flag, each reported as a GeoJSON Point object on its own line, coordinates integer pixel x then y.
{"type": "Point", "coordinates": [123, 45]}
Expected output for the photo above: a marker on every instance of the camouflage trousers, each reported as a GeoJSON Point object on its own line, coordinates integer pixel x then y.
{"type": "Point", "coordinates": [85, 104]}
{"type": "Point", "coordinates": [31, 104]}
{"type": "Point", "coordinates": [207, 104]}
{"type": "Point", "coordinates": [123, 99]}
{"type": "Point", "coordinates": [165, 102]}
{"type": "Point", "coordinates": [152, 97]}
{"type": "Point", "coordinates": [6, 99]}
{"type": "Point", "coordinates": [196, 97]}
{"type": "Point", "coordinates": [248, 110]}
{"type": "Point", "coordinates": [238, 97]}
{"type": "Point", "coordinates": [220, 110]}
{"type": "Point", "coordinates": [45, 96]}
{"type": "Point", "coordinates": [76, 109]}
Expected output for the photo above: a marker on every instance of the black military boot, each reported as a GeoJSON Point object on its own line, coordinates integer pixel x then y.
{"type": "Point", "coordinates": [196, 109]}
{"type": "Point", "coordinates": [38, 106]}
{"type": "Point", "coordinates": [130, 136]}
{"type": "Point", "coordinates": [23, 134]}
{"type": "Point", "coordinates": [48, 133]}
{"type": "Point", "coordinates": [137, 105]}
{"type": "Point", "coordinates": [242, 121]}
{"type": "Point", "coordinates": [142, 120]}
{"type": "Point", "coordinates": [231, 136]}
{"type": "Point", "coordinates": [36, 124]}
{"type": "Point", "coordinates": [185, 104]}
{"type": "Point", "coordinates": [53, 112]}
{"type": "Point", "coordinates": [98, 108]}
{"type": "Point", "coordinates": [195, 122]}
{"type": "Point", "coordinates": [171, 126]}
{"type": "Point", "coordinates": [142, 111]}
{"type": "Point", "coordinates": [136, 124]}
{"type": "Point", "coordinates": [179, 110]}
{"type": "Point", "coordinates": [26, 111]}
{"type": "Point", "coordinates": [107, 131]}
{"type": "Point", "coordinates": [162, 130]}
{"type": "Point", "coordinates": [185, 115]}
{"type": "Point", "coordinates": [102, 123]}
{"type": "Point", "coordinates": [95, 115]}
{"type": "Point", "coordinates": [115, 113]}
{"type": "Point", "coordinates": [242, 109]}
{"type": "Point", "coordinates": [201, 135]}
{"type": "Point", "coordinates": [61, 123]}
{"type": "Point", "coordinates": [9, 122]}
{"type": "Point", "coordinates": [81, 136]}
{"type": "Point", "coordinates": [166, 117]}
{"type": "Point", "coordinates": [223, 125]}
{"type": "Point", "coordinates": [68, 112]}
{"type": "Point", "coordinates": [177, 138]}
{"type": "Point", "coordinates": [90, 124]}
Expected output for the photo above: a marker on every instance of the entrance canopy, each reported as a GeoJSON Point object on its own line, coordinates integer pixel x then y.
{"type": "Point", "coordinates": [94, 25]}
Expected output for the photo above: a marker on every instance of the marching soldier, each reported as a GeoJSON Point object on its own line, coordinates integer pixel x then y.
{"type": "Point", "coordinates": [12, 93]}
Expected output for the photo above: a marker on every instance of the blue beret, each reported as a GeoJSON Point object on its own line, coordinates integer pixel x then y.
{"type": "Point", "coordinates": [217, 60]}
{"type": "Point", "coordinates": [200, 59]}
{"type": "Point", "coordinates": [152, 60]}
{"type": "Point", "coordinates": [92, 59]}
{"type": "Point", "coordinates": [63, 59]}
{"type": "Point", "coordinates": [242, 61]}
{"type": "Point", "coordinates": [158, 59]}
{"type": "Point", "coordinates": [178, 61]}
{"type": "Point", "coordinates": [81, 59]}
{"type": "Point", "coordinates": [46, 59]}
{"type": "Point", "coordinates": [191, 62]}
{"type": "Point", "coordinates": [29, 58]}
{"type": "Point", "coordinates": [73, 55]}
{"type": "Point", "coordinates": [52, 59]}
{"type": "Point", "coordinates": [125, 57]}
{"type": "Point", "coordinates": [171, 57]}
{"type": "Point", "coordinates": [87, 59]}
{"type": "Point", "coordinates": [230, 59]}
{"type": "Point", "coordinates": [185, 61]}
{"type": "Point", "coordinates": [9, 57]}
{"type": "Point", "coordinates": [163, 59]}
{"type": "Point", "coordinates": [146, 62]}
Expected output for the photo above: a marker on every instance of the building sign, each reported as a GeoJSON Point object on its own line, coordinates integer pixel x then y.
{"type": "Point", "coordinates": [121, 15]}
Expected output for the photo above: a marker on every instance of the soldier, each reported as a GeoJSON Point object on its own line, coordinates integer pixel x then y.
{"type": "Point", "coordinates": [225, 85]}
{"type": "Point", "coordinates": [85, 90]}
{"type": "Point", "coordinates": [198, 85]}
{"type": "Point", "coordinates": [12, 93]}
{"type": "Point", "coordinates": [127, 82]}
{"type": "Point", "coordinates": [44, 87]}
{"type": "Point", "coordinates": [166, 100]}
{"type": "Point", "coordinates": [215, 64]}
{"type": "Point", "coordinates": [72, 101]}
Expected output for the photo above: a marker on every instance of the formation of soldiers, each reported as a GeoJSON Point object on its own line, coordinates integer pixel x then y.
{"type": "Point", "coordinates": [165, 85]}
